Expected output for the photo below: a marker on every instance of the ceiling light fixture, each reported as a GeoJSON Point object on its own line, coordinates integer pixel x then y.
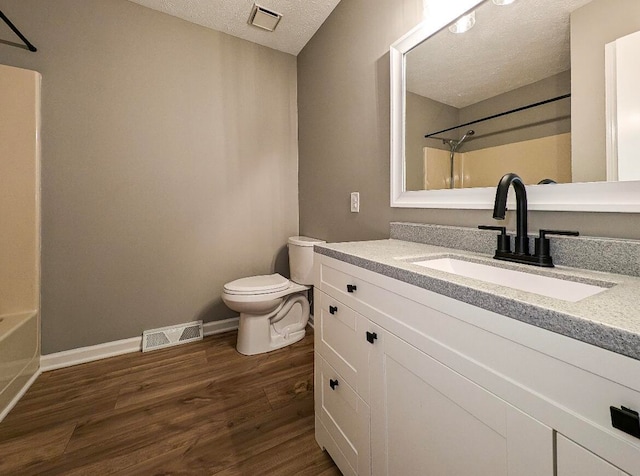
{"type": "Point", "coordinates": [464, 23]}
{"type": "Point", "coordinates": [503, 2]}
{"type": "Point", "coordinates": [263, 18]}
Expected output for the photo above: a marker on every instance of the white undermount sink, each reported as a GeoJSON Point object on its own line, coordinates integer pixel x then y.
{"type": "Point", "coordinates": [534, 283]}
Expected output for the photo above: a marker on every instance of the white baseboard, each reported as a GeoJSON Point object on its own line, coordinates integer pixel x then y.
{"type": "Point", "coordinates": [67, 358]}
{"type": "Point", "coordinates": [19, 395]}
{"type": "Point", "coordinates": [218, 327]}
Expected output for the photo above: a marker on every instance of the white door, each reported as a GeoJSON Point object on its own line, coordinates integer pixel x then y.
{"type": "Point", "coordinates": [623, 107]}
{"type": "Point", "coordinates": [428, 420]}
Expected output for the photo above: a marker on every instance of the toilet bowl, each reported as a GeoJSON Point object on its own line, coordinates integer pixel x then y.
{"type": "Point", "coordinates": [274, 310]}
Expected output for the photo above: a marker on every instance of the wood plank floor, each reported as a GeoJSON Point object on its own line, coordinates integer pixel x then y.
{"type": "Point", "coordinates": [199, 408]}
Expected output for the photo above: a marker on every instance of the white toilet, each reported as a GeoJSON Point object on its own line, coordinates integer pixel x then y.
{"type": "Point", "coordinates": [274, 311]}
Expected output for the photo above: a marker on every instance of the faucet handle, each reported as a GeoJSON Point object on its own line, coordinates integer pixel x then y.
{"type": "Point", "coordinates": [543, 233]}
{"type": "Point", "coordinates": [542, 250]}
{"type": "Point", "coordinates": [504, 240]}
{"type": "Point", "coordinates": [501, 229]}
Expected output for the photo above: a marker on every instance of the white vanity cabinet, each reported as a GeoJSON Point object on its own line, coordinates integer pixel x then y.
{"type": "Point", "coordinates": [429, 385]}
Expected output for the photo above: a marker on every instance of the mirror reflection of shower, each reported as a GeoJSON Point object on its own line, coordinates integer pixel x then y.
{"type": "Point", "coordinates": [454, 145]}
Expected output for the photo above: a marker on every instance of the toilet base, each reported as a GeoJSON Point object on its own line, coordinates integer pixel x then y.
{"type": "Point", "coordinates": [279, 341]}
{"type": "Point", "coordinates": [258, 334]}
{"type": "Point", "coordinates": [245, 349]}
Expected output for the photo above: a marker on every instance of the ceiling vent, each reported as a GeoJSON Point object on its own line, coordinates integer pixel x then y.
{"type": "Point", "coordinates": [263, 18]}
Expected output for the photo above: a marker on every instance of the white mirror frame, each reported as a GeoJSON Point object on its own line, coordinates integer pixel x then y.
{"type": "Point", "coordinates": [590, 197]}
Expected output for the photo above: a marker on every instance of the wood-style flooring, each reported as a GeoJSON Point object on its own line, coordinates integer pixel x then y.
{"type": "Point", "coordinates": [199, 408]}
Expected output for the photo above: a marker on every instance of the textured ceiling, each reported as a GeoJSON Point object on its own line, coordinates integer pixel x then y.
{"type": "Point", "coordinates": [300, 19]}
{"type": "Point", "coordinates": [509, 47]}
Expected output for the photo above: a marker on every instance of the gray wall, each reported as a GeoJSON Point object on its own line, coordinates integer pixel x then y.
{"type": "Point", "coordinates": [592, 27]}
{"type": "Point", "coordinates": [169, 165]}
{"type": "Point", "coordinates": [542, 121]}
{"type": "Point", "coordinates": [343, 97]}
{"type": "Point", "coordinates": [424, 115]}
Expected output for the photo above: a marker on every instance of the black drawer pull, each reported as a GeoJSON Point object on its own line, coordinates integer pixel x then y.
{"type": "Point", "coordinates": [333, 309]}
{"type": "Point", "coordinates": [333, 384]}
{"type": "Point", "coordinates": [371, 336]}
{"type": "Point", "coordinates": [351, 288]}
{"type": "Point", "coordinates": [625, 419]}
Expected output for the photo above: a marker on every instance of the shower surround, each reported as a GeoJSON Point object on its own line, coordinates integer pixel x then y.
{"type": "Point", "coordinates": [19, 233]}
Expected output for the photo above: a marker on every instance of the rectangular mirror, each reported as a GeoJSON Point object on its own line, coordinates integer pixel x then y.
{"type": "Point", "coordinates": [527, 89]}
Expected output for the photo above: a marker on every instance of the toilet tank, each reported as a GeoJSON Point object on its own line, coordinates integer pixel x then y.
{"type": "Point", "coordinates": [301, 259]}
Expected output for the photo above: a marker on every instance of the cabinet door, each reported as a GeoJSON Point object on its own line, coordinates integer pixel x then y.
{"type": "Point", "coordinates": [574, 460]}
{"type": "Point", "coordinates": [427, 419]}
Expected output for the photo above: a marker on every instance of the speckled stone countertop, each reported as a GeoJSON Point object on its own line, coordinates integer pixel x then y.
{"type": "Point", "coordinates": [610, 319]}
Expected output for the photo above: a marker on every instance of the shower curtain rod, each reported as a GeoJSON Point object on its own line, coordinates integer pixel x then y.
{"type": "Point", "coordinates": [518, 109]}
{"type": "Point", "coordinates": [26, 42]}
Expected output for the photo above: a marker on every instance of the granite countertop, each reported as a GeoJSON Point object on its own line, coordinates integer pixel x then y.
{"type": "Point", "coordinates": [610, 319]}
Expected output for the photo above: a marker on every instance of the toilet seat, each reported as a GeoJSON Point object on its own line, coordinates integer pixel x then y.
{"type": "Point", "coordinates": [255, 285]}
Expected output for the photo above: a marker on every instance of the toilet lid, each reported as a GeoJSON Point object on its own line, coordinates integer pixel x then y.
{"type": "Point", "coordinates": [270, 283]}
{"type": "Point", "coordinates": [304, 241]}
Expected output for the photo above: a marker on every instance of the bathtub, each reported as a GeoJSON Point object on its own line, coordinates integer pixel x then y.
{"type": "Point", "coordinates": [20, 232]}
{"type": "Point", "coordinates": [19, 357]}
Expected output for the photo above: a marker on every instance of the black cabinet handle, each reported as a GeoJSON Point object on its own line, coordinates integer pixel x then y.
{"type": "Point", "coordinates": [625, 419]}
{"type": "Point", "coordinates": [371, 336]}
{"type": "Point", "coordinates": [333, 309]}
{"type": "Point", "coordinates": [351, 288]}
{"type": "Point", "coordinates": [333, 384]}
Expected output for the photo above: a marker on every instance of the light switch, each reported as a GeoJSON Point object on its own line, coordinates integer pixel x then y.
{"type": "Point", "coordinates": [355, 202]}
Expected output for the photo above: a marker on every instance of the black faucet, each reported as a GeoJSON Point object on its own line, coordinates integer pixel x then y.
{"type": "Point", "coordinates": [500, 208]}
{"type": "Point", "coordinates": [542, 256]}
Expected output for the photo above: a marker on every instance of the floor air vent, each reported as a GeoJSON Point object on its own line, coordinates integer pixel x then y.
{"type": "Point", "coordinates": [172, 335]}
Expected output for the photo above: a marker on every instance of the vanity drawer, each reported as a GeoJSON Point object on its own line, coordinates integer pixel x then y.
{"type": "Point", "coordinates": [341, 339]}
{"type": "Point", "coordinates": [356, 292]}
{"type": "Point", "coordinates": [345, 416]}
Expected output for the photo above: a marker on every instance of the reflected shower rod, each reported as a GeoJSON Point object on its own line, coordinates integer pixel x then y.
{"type": "Point", "coordinates": [518, 109]}
{"type": "Point", "coordinates": [26, 42]}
